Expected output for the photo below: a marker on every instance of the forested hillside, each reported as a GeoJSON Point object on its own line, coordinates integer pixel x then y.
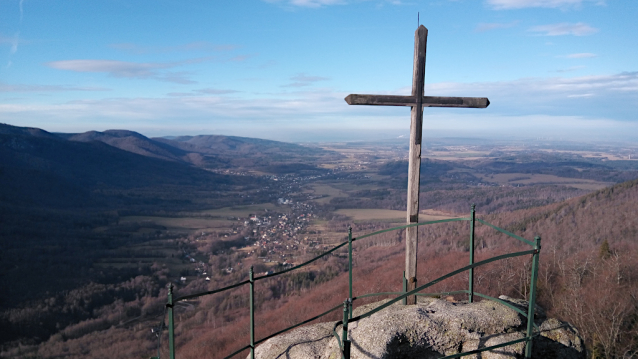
{"type": "Point", "coordinates": [588, 277]}
{"type": "Point", "coordinates": [94, 226]}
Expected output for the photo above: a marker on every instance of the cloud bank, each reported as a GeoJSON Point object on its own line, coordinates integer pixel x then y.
{"type": "Point", "coordinates": [580, 106]}
{"type": "Point", "coordinates": [578, 29]}
{"type": "Point", "coordinates": [521, 4]}
{"type": "Point", "coordinates": [130, 70]}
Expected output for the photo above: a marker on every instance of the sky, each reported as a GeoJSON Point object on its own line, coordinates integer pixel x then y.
{"type": "Point", "coordinates": [280, 69]}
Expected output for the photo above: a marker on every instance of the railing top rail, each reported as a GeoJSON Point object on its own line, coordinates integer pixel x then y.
{"type": "Point", "coordinates": [302, 264]}
{"type": "Point", "coordinates": [506, 232]}
{"type": "Point", "coordinates": [195, 295]}
{"type": "Point", "coordinates": [463, 291]}
{"type": "Point", "coordinates": [419, 294]}
{"type": "Point", "coordinates": [237, 351]}
{"type": "Point", "coordinates": [299, 324]}
{"type": "Point", "coordinates": [509, 305]}
{"type": "Point", "coordinates": [411, 225]}
{"type": "Point", "coordinates": [486, 348]}
{"type": "Point", "coordinates": [460, 270]}
{"type": "Point", "coordinates": [400, 295]}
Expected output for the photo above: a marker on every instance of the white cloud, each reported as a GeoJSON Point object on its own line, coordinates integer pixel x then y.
{"type": "Point", "coordinates": [570, 69]}
{"type": "Point", "coordinates": [203, 46]}
{"type": "Point", "coordinates": [12, 41]}
{"type": "Point", "coordinates": [578, 29]}
{"type": "Point", "coordinates": [308, 3]}
{"type": "Point", "coordinates": [482, 27]}
{"type": "Point", "coordinates": [46, 88]}
{"type": "Point", "coordinates": [240, 58]}
{"type": "Point", "coordinates": [131, 70]}
{"type": "Point", "coordinates": [539, 88]}
{"type": "Point", "coordinates": [301, 80]}
{"type": "Point", "coordinates": [21, 10]}
{"type": "Point", "coordinates": [521, 4]}
{"type": "Point", "coordinates": [582, 55]}
{"type": "Point", "coordinates": [207, 91]}
{"type": "Point", "coordinates": [112, 67]}
{"type": "Point", "coordinates": [290, 4]}
{"type": "Point", "coordinates": [212, 91]}
{"type": "Point", "coordinates": [582, 105]}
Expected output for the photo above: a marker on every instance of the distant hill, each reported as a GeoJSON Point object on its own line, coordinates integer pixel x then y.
{"type": "Point", "coordinates": [6, 129]}
{"type": "Point", "coordinates": [216, 144]}
{"type": "Point", "coordinates": [55, 191]}
{"type": "Point", "coordinates": [44, 169]}
{"type": "Point", "coordinates": [249, 153]}
{"type": "Point", "coordinates": [208, 151]}
{"type": "Point", "coordinates": [132, 142]}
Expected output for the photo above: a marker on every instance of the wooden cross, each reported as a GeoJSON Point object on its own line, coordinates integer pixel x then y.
{"type": "Point", "coordinates": [417, 101]}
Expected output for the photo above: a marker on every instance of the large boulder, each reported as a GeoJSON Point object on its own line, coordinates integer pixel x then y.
{"type": "Point", "coordinates": [432, 328]}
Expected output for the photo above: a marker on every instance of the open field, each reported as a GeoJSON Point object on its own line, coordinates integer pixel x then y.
{"type": "Point", "coordinates": [180, 222]}
{"type": "Point", "coordinates": [529, 179]}
{"type": "Point", "coordinates": [357, 214]}
{"type": "Point", "coordinates": [216, 218]}
{"type": "Point", "coordinates": [457, 155]}
{"type": "Point", "coordinates": [598, 154]}
{"type": "Point", "coordinates": [354, 186]}
{"type": "Point", "coordinates": [327, 190]}
{"type": "Point", "coordinates": [242, 211]}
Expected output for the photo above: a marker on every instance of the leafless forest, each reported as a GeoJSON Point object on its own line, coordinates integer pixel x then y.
{"type": "Point", "coordinates": [88, 279]}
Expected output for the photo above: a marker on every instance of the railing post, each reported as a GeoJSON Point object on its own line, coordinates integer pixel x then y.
{"type": "Point", "coordinates": [471, 271]}
{"type": "Point", "coordinates": [532, 297]}
{"type": "Point", "coordinates": [171, 323]}
{"type": "Point", "coordinates": [344, 336]}
{"type": "Point", "coordinates": [251, 277]}
{"type": "Point", "coordinates": [405, 290]}
{"type": "Point", "coordinates": [350, 263]}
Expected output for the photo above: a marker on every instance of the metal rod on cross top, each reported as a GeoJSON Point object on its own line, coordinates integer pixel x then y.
{"type": "Point", "coordinates": [416, 101]}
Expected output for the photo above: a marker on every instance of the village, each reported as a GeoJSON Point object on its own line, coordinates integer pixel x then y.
{"type": "Point", "coordinates": [271, 239]}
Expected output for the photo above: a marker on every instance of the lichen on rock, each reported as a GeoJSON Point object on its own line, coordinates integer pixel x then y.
{"type": "Point", "coordinates": [433, 328]}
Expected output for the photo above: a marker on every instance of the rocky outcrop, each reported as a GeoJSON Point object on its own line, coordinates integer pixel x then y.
{"type": "Point", "coordinates": [432, 328]}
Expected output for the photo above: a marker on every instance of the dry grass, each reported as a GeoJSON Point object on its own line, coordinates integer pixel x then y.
{"type": "Point", "coordinates": [244, 211]}
{"type": "Point", "coordinates": [327, 190]}
{"type": "Point", "coordinates": [530, 179]}
{"type": "Point", "coordinates": [180, 222]}
{"type": "Point", "coordinates": [359, 214]}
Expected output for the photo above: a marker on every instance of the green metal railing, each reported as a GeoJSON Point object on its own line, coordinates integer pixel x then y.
{"type": "Point", "coordinates": [344, 343]}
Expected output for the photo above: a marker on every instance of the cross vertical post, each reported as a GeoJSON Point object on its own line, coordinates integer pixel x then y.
{"type": "Point", "coordinates": [414, 163]}
{"type": "Point", "coordinates": [416, 101]}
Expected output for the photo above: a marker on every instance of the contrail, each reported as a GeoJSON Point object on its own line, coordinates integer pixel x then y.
{"type": "Point", "coordinates": [14, 43]}
{"type": "Point", "coordinates": [21, 10]}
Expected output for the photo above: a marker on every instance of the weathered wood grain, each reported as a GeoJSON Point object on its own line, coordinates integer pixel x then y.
{"type": "Point", "coordinates": [414, 167]}
{"type": "Point", "coordinates": [427, 101]}
{"type": "Point", "coordinates": [417, 101]}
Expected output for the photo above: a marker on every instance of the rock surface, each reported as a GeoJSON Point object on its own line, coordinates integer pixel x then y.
{"type": "Point", "coordinates": [432, 328]}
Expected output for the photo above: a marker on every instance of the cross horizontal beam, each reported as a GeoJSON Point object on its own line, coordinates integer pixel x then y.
{"type": "Point", "coordinates": [428, 101]}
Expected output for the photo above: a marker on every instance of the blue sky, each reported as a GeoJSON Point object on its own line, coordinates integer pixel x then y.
{"type": "Point", "coordinates": [279, 69]}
